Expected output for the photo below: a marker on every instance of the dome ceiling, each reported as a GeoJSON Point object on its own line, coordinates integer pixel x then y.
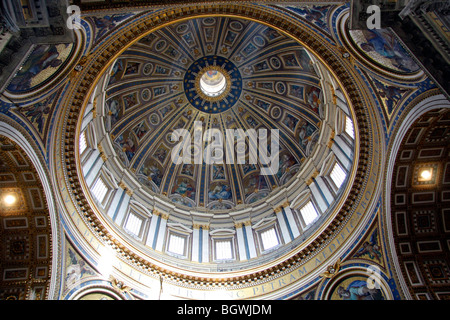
{"type": "Point", "coordinates": [137, 225]}
{"type": "Point", "coordinates": [199, 225]}
{"type": "Point", "coordinates": [227, 73]}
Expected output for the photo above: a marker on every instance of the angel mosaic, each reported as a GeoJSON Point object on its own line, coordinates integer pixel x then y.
{"type": "Point", "coordinates": [271, 34]}
{"type": "Point", "coordinates": [188, 169]}
{"type": "Point", "coordinates": [116, 72]}
{"type": "Point", "coordinates": [391, 95]}
{"type": "Point", "coordinates": [290, 121]}
{"type": "Point", "coordinates": [141, 129]}
{"type": "Point", "coordinates": [115, 110]}
{"type": "Point", "coordinates": [127, 144]}
{"type": "Point", "coordinates": [76, 269]}
{"type": "Point", "coordinates": [220, 206]}
{"type": "Point", "coordinates": [286, 162]}
{"type": "Point", "coordinates": [305, 131]}
{"type": "Point", "coordinates": [37, 113]}
{"type": "Point", "coordinates": [290, 60]}
{"type": "Point", "coordinates": [370, 248]}
{"type": "Point", "coordinates": [313, 99]}
{"type": "Point", "coordinates": [248, 167]}
{"type": "Point", "coordinates": [182, 201]}
{"type": "Point", "coordinates": [218, 172]}
{"type": "Point", "coordinates": [254, 183]}
{"type": "Point", "coordinates": [132, 68]}
{"type": "Point", "coordinates": [161, 154]}
{"type": "Point", "coordinates": [129, 100]}
{"type": "Point", "coordinates": [315, 14]}
{"type": "Point", "coordinates": [105, 24]}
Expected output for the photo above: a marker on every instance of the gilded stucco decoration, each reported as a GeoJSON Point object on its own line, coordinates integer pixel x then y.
{"type": "Point", "coordinates": [25, 231]}
{"type": "Point", "coordinates": [105, 106]}
{"type": "Point", "coordinates": [289, 270]}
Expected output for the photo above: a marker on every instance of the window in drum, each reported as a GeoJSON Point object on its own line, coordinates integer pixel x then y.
{"type": "Point", "coordinates": [269, 238]}
{"type": "Point", "coordinates": [338, 175]}
{"type": "Point", "coordinates": [83, 142]}
{"type": "Point", "coordinates": [99, 190]}
{"type": "Point", "coordinates": [134, 224]}
{"type": "Point", "coordinates": [309, 213]}
{"type": "Point", "coordinates": [349, 129]}
{"type": "Point", "coordinates": [176, 244]}
{"type": "Point", "coordinates": [223, 250]}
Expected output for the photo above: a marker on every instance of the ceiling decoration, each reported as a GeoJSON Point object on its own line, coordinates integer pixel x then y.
{"type": "Point", "coordinates": [102, 25]}
{"type": "Point", "coordinates": [136, 225]}
{"type": "Point", "coordinates": [380, 50]}
{"type": "Point", "coordinates": [128, 96]}
{"type": "Point", "coordinates": [98, 115]}
{"type": "Point", "coordinates": [269, 83]}
{"type": "Point", "coordinates": [43, 62]}
{"type": "Point", "coordinates": [25, 233]}
{"type": "Point", "coordinates": [40, 67]}
{"type": "Point", "coordinates": [382, 46]}
{"type": "Point", "coordinates": [419, 204]}
{"type": "Point", "coordinates": [212, 84]}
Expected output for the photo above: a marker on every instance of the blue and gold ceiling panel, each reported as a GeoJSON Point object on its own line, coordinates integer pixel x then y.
{"type": "Point", "coordinates": [228, 73]}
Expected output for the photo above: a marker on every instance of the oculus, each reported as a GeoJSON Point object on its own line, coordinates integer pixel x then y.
{"type": "Point", "coordinates": [213, 84]}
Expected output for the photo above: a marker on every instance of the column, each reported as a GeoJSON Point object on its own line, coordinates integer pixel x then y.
{"type": "Point", "coordinates": [250, 239]}
{"type": "Point", "coordinates": [154, 223]}
{"type": "Point", "coordinates": [204, 236]}
{"type": "Point", "coordinates": [116, 202]}
{"type": "Point", "coordinates": [341, 156]}
{"type": "Point", "coordinates": [285, 232]}
{"type": "Point", "coordinates": [319, 199]}
{"type": "Point", "coordinates": [119, 214]}
{"type": "Point", "coordinates": [246, 240]}
{"type": "Point", "coordinates": [89, 116]}
{"type": "Point", "coordinates": [323, 189]}
{"type": "Point", "coordinates": [161, 232]}
{"type": "Point", "coordinates": [196, 244]}
{"type": "Point", "coordinates": [295, 231]}
{"type": "Point", "coordinates": [243, 251]}
{"type": "Point", "coordinates": [88, 166]}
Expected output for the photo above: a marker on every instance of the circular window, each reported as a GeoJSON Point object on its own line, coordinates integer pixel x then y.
{"type": "Point", "coordinates": [213, 83]}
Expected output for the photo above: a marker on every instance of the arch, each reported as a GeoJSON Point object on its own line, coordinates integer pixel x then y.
{"type": "Point", "coordinates": [428, 103]}
{"type": "Point", "coordinates": [24, 142]}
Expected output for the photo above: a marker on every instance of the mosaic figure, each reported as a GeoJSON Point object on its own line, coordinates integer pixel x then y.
{"type": "Point", "coordinates": [220, 191]}
{"type": "Point", "coordinates": [358, 290]}
{"type": "Point", "coordinates": [45, 60]}
{"type": "Point", "coordinates": [383, 46]}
